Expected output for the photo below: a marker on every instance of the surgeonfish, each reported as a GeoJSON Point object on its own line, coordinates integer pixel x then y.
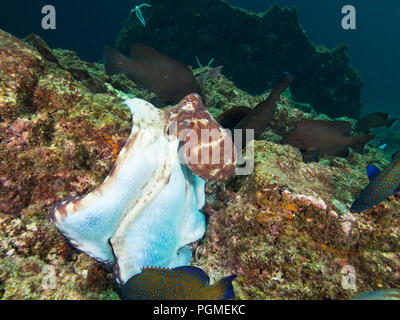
{"type": "Point", "coordinates": [181, 283]}
{"type": "Point", "coordinates": [381, 185]}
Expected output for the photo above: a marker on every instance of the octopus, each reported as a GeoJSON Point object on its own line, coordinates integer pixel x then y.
{"type": "Point", "coordinates": [146, 213]}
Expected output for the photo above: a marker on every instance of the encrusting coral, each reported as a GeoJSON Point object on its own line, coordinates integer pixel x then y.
{"type": "Point", "coordinates": [285, 230]}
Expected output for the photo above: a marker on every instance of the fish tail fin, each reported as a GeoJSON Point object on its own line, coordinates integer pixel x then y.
{"type": "Point", "coordinates": [360, 142]}
{"type": "Point", "coordinates": [114, 61]}
{"type": "Point", "coordinates": [276, 92]}
{"type": "Point", "coordinates": [225, 288]}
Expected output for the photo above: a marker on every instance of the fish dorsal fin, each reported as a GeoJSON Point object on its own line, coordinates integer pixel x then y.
{"type": "Point", "coordinates": [372, 172]}
{"type": "Point", "coordinates": [232, 117]}
{"type": "Point", "coordinates": [310, 149]}
{"type": "Point", "coordinates": [226, 284]}
{"type": "Point", "coordinates": [148, 268]}
{"type": "Point", "coordinates": [359, 142]}
{"type": "Point", "coordinates": [194, 272]}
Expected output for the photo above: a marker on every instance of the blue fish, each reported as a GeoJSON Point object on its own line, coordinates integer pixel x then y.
{"type": "Point", "coordinates": [381, 185]}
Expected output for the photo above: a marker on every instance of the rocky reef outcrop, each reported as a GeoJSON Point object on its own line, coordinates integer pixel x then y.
{"type": "Point", "coordinates": [254, 49]}
{"type": "Point", "coordinates": [285, 230]}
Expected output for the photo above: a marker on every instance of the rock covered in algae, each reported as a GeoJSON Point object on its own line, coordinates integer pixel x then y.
{"type": "Point", "coordinates": [388, 138]}
{"type": "Point", "coordinates": [37, 263]}
{"type": "Point", "coordinates": [58, 139]}
{"type": "Point", "coordinates": [285, 229]}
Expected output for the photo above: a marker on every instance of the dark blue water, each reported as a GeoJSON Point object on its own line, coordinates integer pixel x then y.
{"type": "Point", "coordinates": [374, 45]}
{"type": "Point", "coordinates": [86, 26]}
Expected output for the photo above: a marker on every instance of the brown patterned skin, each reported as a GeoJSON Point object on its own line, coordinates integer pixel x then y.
{"type": "Point", "coordinates": [201, 136]}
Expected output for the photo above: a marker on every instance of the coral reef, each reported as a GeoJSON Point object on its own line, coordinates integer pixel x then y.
{"type": "Point", "coordinates": [287, 232]}
{"type": "Point", "coordinates": [58, 139]}
{"type": "Point", "coordinates": [286, 229]}
{"type": "Point", "coordinates": [389, 138]}
{"type": "Point", "coordinates": [253, 48]}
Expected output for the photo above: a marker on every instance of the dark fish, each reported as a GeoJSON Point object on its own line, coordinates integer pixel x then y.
{"type": "Point", "coordinates": [152, 70]}
{"type": "Point", "coordinates": [182, 283]}
{"type": "Point", "coordinates": [232, 117]}
{"type": "Point", "coordinates": [387, 294]}
{"type": "Point", "coordinates": [259, 117]}
{"type": "Point", "coordinates": [381, 186]}
{"type": "Point", "coordinates": [42, 47]}
{"type": "Point", "coordinates": [190, 114]}
{"type": "Point", "coordinates": [374, 120]}
{"type": "Point", "coordinates": [315, 137]}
